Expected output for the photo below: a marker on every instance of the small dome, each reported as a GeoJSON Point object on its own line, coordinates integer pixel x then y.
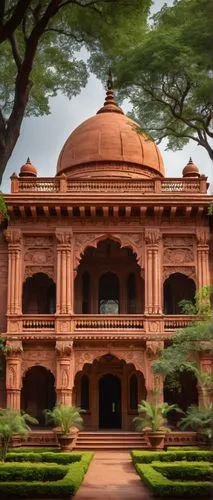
{"type": "Point", "coordinates": [28, 170]}
{"type": "Point", "coordinates": [109, 144]}
{"type": "Point", "coordinates": [191, 170]}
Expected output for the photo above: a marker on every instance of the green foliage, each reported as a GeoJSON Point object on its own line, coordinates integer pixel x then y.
{"type": "Point", "coordinates": [163, 487]}
{"type": "Point", "coordinates": [58, 488]}
{"type": "Point", "coordinates": [3, 207]}
{"type": "Point", "coordinates": [185, 470]}
{"type": "Point", "coordinates": [66, 417]}
{"type": "Point", "coordinates": [13, 422]}
{"type": "Point", "coordinates": [28, 472]}
{"type": "Point", "coordinates": [153, 416]}
{"type": "Point", "coordinates": [147, 457]}
{"type": "Point", "coordinates": [167, 74]}
{"type": "Point", "coordinates": [201, 305]}
{"type": "Point", "coordinates": [48, 457]}
{"type": "Point", "coordinates": [199, 419]}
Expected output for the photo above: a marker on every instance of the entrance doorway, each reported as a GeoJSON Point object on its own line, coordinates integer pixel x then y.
{"type": "Point", "coordinates": [38, 393]}
{"type": "Point", "coordinates": [110, 402]}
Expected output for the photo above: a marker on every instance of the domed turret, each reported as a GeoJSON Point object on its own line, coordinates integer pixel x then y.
{"type": "Point", "coordinates": [110, 144]}
{"type": "Point", "coordinates": [191, 170]}
{"type": "Point", "coordinates": [28, 170]}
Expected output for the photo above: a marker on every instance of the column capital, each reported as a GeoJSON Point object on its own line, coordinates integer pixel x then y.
{"type": "Point", "coordinates": [14, 348]}
{"type": "Point", "coordinates": [64, 237]}
{"type": "Point", "coordinates": [63, 348]}
{"type": "Point", "coordinates": [202, 235]}
{"type": "Point", "coordinates": [152, 235]}
{"type": "Point", "coordinates": [13, 236]}
{"type": "Point", "coordinates": [153, 348]}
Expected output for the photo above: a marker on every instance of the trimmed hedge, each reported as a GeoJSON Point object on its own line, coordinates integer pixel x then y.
{"type": "Point", "coordinates": [163, 487]}
{"type": "Point", "coordinates": [64, 487]}
{"type": "Point", "coordinates": [30, 449]}
{"type": "Point", "coordinates": [28, 472]}
{"type": "Point", "coordinates": [147, 457]}
{"type": "Point", "coordinates": [51, 457]}
{"type": "Point", "coordinates": [185, 470]}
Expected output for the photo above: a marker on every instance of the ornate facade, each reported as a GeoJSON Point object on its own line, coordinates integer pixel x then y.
{"type": "Point", "coordinates": [93, 266]}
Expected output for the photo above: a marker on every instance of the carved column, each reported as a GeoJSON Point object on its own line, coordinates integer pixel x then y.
{"type": "Point", "coordinates": [153, 278]}
{"type": "Point", "coordinates": [13, 374]}
{"type": "Point", "coordinates": [13, 237]}
{"type": "Point", "coordinates": [203, 257]}
{"type": "Point", "coordinates": [65, 274]}
{"type": "Point", "coordinates": [64, 372]}
{"type": "Point", "coordinates": [205, 389]}
{"type": "Point", "coordinates": [154, 381]}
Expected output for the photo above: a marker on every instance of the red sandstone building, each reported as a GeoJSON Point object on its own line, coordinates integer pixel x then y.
{"type": "Point", "coordinates": [93, 266]}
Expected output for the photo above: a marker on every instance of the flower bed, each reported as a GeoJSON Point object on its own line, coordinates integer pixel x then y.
{"type": "Point", "coordinates": [176, 473]}
{"type": "Point", "coordinates": [42, 474]}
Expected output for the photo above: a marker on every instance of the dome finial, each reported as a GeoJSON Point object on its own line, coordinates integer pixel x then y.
{"type": "Point", "coordinates": [110, 105]}
{"type": "Point", "coordinates": [109, 81]}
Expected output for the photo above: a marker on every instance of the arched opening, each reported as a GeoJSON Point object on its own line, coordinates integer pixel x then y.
{"type": "Point", "coordinates": [109, 294]}
{"type": "Point", "coordinates": [38, 393]}
{"type": "Point", "coordinates": [183, 393]}
{"type": "Point", "coordinates": [85, 293]}
{"type": "Point", "coordinates": [85, 392]}
{"type": "Point", "coordinates": [176, 288]}
{"type": "Point", "coordinates": [39, 295]}
{"type": "Point", "coordinates": [109, 402]}
{"type": "Point", "coordinates": [109, 281]}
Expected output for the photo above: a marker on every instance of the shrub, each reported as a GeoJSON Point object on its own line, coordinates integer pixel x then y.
{"type": "Point", "coordinates": [172, 456]}
{"type": "Point", "coordinates": [185, 470]}
{"type": "Point", "coordinates": [163, 487]}
{"type": "Point", "coordinates": [32, 472]}
{"type": "Point", "coordinates": [51, 457]}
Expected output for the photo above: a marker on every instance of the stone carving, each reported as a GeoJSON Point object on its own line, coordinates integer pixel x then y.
{"type": "Point", "coordinates": [13, 236]}
{"type": "Point", "coordinates": [178, 241]}
{"type": "Point", "coordinates": [31, 270]}
{"type": "Point", "coordinates": [63, 348]}
{"type": "Point", "coordinates": [63, 237]}
{"type": "Point", "coordinates": [11, 377]}
{"type": "Point", "coordinates": [39, 256]}
{"type": "Point", "coordinates": [37, 241]}
{"type": "Point", "coordinates": [202, 235]}
{"type": "Point", "coordinates": [14, 347]}
{"type": "Point", "coordinates": [129, 356]}
{"type": "Point", "coordinates": [152, 235]}
{"type": "Point", "coordinates": [187, 270]}
{"type": "Point", "coordinates": [63, 326]}
{"type": "Point", "coordinates": [154, 348]}
{"type": "Point", "coordinates": [175, 256]}
{"type": "Point", "coordinates": [154, 326]}
{"type": "Point", "coordinates": [39, 357]}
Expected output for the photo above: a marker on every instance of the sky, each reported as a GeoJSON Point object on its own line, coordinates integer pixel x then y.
{"type": "Point", "coordinates": [42, 138]}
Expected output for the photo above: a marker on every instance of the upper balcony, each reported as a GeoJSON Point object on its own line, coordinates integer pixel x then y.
{"type": "Point", "coordinates": [97, 326]}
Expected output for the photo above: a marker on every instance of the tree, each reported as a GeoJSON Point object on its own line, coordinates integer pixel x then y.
{"type": "Point", "coordinates": [39, 40]}
{"type": "Point", "coordinates": [13, 422]}
{"type": "Point", "coordinates": [167, 75]}
{"type": "Point", "coordinates": [186, 344]}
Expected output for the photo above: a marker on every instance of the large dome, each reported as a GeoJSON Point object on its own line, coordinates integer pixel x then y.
{"type": "Point", "coordinates": [109, 144]}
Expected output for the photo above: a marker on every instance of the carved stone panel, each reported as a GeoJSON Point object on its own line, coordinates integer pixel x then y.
{"type": "Point", "coordinates": [187, 270]}
{"type": "Point", "coordinates": [39, 356]}
{"type": "Point", "coordinates": [178, 256]}
{"type": "Point", "coordinates": [178, 241]}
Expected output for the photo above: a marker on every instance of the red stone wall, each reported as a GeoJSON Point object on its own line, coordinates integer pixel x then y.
{"type": "Point", "coordinates": [3, 283]}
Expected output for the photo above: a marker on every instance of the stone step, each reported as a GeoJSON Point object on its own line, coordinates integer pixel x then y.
{"type": "Point", "coordinates": [101, 440]}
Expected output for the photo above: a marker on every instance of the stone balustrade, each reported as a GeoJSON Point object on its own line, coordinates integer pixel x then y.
{"type": "Point", "coordinates": [141, 186]}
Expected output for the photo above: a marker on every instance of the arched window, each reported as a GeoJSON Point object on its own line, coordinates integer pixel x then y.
{"type": "Point", "coordinates": [133, 392]}
{"type": "Point", "coordinates": [109, 294]}
{"type": "Point", "coordinates": [131, 294]}
{"type": "Point", "coordinates": [85, 392]}
{"type": "Point", "coordinates": [39, 295]}
{"type": "Point", "coordinates": [85, 293]}
{"type": "Point", "coordinates": [177, 287]}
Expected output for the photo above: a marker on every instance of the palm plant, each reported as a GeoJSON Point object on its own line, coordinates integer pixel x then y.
{"type": "Point", "coordinates": [13, 422]}
{"type": "Point", "coordinates": [65, 417]}
{"type": "Point", "coordinates": [199, 419]}
{"type": "Point", "coordinates": [152, 417]}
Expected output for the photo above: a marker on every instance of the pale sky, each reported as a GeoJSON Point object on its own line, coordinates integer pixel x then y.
{"type": "Point", "coordinates": [42, 138]}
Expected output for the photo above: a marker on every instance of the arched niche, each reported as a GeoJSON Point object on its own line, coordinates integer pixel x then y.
{"type": "Point", "coordinates": [114, 264]}
{"type": "Point", "coordinates": [38, 392]}
{"type": "Point", "coordinates": [177, 287]}
{"type": "Point", "coordinates": [39, 295]}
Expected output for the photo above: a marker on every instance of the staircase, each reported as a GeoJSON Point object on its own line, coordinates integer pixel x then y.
{"type": "Point", "coordinates": [111, 440]}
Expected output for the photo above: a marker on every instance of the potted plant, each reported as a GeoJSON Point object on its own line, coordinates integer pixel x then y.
{"type": "Point", "coordinates": [13, 424]}
{"type": "Point", "coordinates": [199, 420]}
{"type": "Point", "coordinates": [152, 420]}
{"type": "Point", "coordinates": [68, 421]}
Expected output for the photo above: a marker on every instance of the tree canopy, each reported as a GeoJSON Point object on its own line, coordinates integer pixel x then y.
{"type": "Point", "coordinates": [167, 74]}
{"type": "Point", "coordinates": [40, 42]}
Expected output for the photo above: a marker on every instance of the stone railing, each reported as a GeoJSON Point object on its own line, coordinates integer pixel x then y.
{"type": "Point", "coordinates": [141, 186]}
{"type": "Point", "coordinates": [80, 324]}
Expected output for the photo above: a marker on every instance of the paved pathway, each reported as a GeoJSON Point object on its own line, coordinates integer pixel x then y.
{"type": "Point", "coordinates": [111, 475]}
